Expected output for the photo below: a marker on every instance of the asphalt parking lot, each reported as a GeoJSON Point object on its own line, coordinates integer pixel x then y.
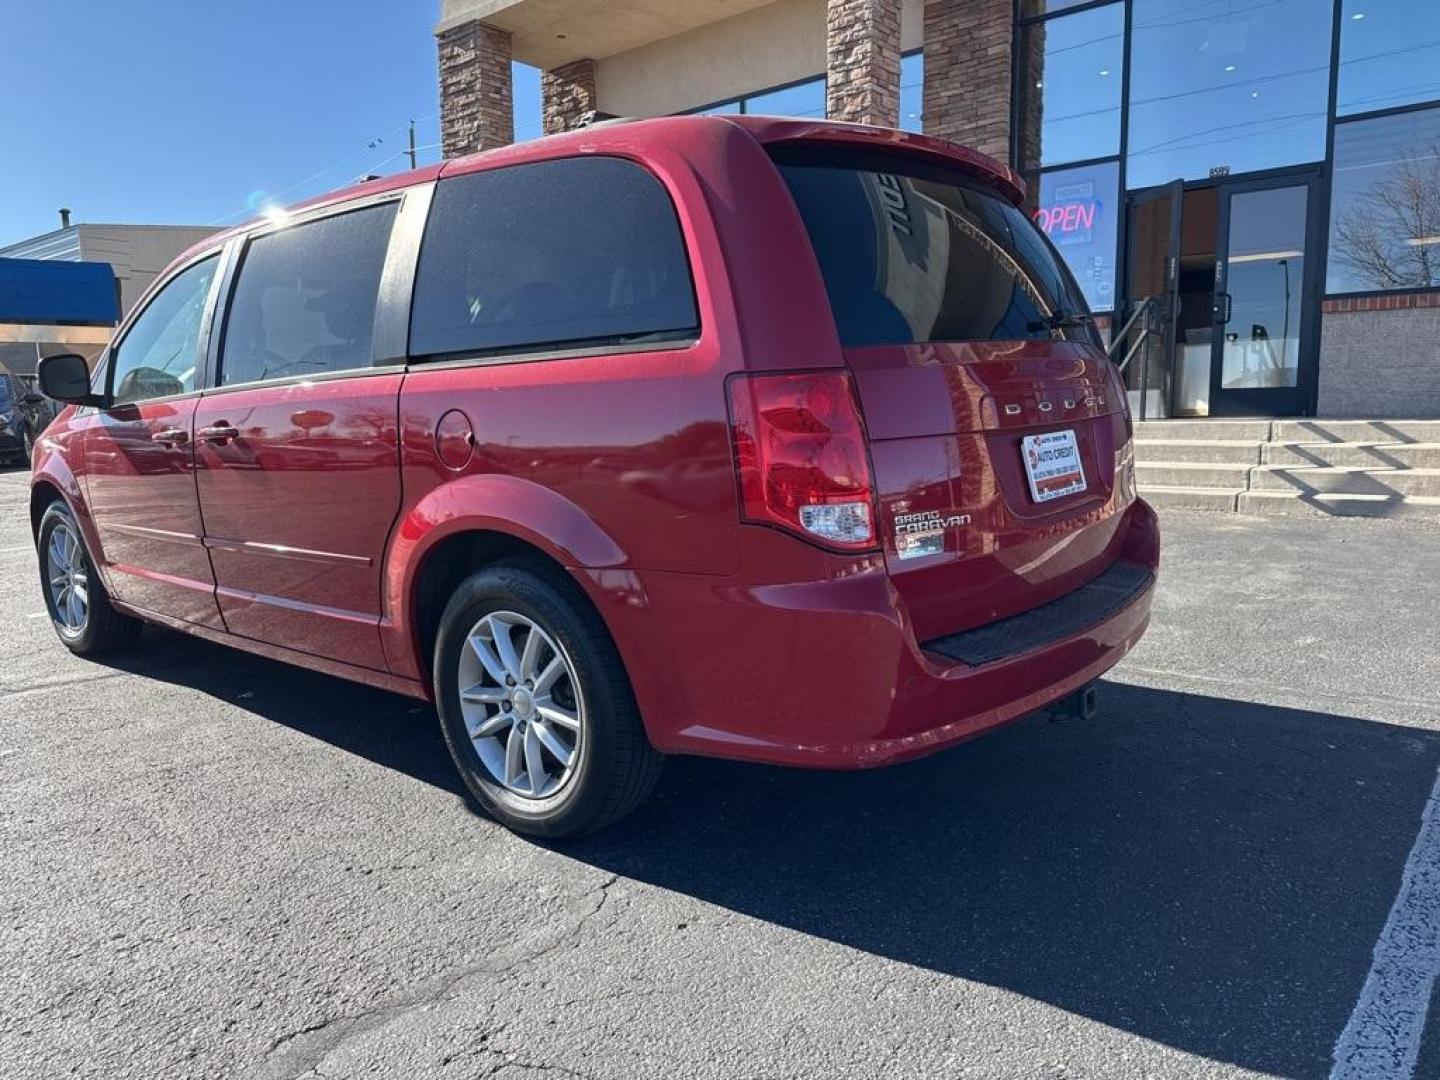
{"type": "Point", "coordinates": [217, 866]}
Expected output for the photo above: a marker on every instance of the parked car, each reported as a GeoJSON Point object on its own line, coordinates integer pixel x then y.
{"type": "Point", "coordinates": [24, 414]}
{"type": "Point", "coordinates": [755, 438]}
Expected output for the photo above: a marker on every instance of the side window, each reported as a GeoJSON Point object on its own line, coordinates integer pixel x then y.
{"type": "Point", "coordinates": [161, 350]}
{"type": "Point", "coordinates": [304, 298]}
{"type": "Point", "coordinates": [570, 252]}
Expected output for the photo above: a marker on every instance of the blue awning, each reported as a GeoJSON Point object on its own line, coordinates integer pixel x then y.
{"type": "Point", "coordinates": [51, 291]}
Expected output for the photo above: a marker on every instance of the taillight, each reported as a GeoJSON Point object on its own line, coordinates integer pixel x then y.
{"type": "Point", "coordinates": [801, 458]}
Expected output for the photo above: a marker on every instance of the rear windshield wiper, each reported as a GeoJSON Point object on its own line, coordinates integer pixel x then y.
{"type": "Point", "coordinates": [1061, 320]}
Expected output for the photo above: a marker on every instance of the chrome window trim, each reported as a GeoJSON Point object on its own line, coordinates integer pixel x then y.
{"type": "Point", "coordinates": [298, 380]}
{"type": "Point", "coordinates": [443, 360]}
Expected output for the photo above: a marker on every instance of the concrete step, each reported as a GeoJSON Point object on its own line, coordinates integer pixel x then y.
{"type": "Point", "coordinates": [1356, 431]}
{"type": "Point", "coordinates": [1382, 483]}
{"type": "Point", "coordinates": [1206, 430]}
{"type": "Point", "coordinates": [1352, 455]}
{"type": "Point", "coordinates": [1218, 451]}
{"type": "Point", "coordinates": [1291, 503]}
{"type": "Point", "coordinates": [1182, 474]}
{"type": "Point", "coordinates": [1189, 498]}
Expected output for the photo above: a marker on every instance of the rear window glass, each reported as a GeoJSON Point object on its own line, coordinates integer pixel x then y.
{"type": "Point", "coordinates": [912, 253]}
{"type": "Point", "coordinates": [579, 251]}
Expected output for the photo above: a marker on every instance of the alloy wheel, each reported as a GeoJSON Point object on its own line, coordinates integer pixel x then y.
{"type": "Point", "coordinates": [69, 580]}
{"type": "Point", "coordinates": [521, 703]}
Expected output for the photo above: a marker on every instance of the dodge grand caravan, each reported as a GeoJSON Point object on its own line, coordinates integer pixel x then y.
{"type": "Point", "coordinates": [757, 438]}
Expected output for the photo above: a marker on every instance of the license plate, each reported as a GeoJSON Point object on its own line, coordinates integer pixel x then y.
{"type": "Point", "coordinates": [1052, 465]}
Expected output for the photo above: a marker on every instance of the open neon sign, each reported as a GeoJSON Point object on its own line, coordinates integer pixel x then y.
{"type": "Point", "coordinates": [1067, 218]}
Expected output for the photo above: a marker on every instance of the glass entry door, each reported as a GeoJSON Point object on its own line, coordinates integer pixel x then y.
{"type": "Point", "coordinates": [1152, 276]}
{"type": "Point", "coordinates": [1262, 345]}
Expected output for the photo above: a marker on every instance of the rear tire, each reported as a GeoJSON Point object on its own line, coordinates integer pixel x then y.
{"type": "Point", "coordinates": [548, 737]}
{"type": "Point", "coordinates": [75, 597]}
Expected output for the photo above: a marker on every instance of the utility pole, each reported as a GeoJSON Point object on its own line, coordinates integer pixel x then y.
{"type": "Point", "coordinates": [411, 150]}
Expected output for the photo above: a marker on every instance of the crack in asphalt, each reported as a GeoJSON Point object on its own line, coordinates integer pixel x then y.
{"type": "Point", "coordinates": [40, 685]}
{"type": "Point", "coordinates": [299, 1052]}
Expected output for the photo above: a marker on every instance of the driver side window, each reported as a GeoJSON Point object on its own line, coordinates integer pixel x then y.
{"type": "Point", "coordinates": [161, 350]}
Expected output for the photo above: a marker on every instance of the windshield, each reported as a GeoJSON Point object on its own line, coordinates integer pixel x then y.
{"type": "Point", "coordinates": [915, 253]}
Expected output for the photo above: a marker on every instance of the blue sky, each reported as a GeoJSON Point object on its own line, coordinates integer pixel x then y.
{"type": "Point", "coordinates": [198, 112]}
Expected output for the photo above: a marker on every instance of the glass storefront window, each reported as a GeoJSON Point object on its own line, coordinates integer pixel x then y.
{"type": "Point", "coordinates": [1389, 54]}
{"type": "Point", "coordinates": [1079, 210]}
{"type": "Point", "coordinates": [1029, 8]}
{"type": "Point", "coordinates": [804, 99]}
{"type": "Point", "coordinates": [1385, 204]}
{"type": "Point", "coordinates": [525, 94]}
{"type": "Point", "coordinates": [1219, 88]}
{"type": "Point", "coordinates": [1070, 89]}
{"type": "Point", "coordinates": [912, 86]}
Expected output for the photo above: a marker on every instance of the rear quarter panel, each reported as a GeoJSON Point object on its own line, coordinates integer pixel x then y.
{"type": "Point", "coordinates": [631, 449]}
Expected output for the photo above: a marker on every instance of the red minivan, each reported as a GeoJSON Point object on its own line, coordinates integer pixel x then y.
{"type": "Point", "coordinates": [757, 438]}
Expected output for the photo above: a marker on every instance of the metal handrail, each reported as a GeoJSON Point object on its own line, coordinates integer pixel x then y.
{"type": "Point", "coordinates": [1124, 332]}
{"type": "Point", "coordinates": [1143, 314]}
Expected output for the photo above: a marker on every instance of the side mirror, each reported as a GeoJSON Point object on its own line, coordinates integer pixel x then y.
{"type": "Point", "coordinates": [66, 377]}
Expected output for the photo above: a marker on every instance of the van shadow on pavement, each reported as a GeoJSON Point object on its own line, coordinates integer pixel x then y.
{"type": "Point", "coordinates": [1206, 873]}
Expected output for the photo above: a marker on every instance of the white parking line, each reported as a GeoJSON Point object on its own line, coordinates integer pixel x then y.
{"type": "Point", "coordinates": [1382, 1039]}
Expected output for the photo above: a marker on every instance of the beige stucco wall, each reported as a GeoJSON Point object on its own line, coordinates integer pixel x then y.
{"type": "Point", "coordinates": [780, 43]}
{"type": "Point", "coordinates": [137, 253]}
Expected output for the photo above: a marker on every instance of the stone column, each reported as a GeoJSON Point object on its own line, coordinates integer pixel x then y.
{"type": "Point", "coordinates": [477, 110]}
{"type": "Point", "coordinates": [862, 46]}
{"type": "Point", "coordinates": [968, 73]}
{"type": "Point", "coordinates": [567, 96]}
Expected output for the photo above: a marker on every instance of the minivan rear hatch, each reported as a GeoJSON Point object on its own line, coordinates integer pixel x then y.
{"type": "Point", "coordinates": [997, 428]}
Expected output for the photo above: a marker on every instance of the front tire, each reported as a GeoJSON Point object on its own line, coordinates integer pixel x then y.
{"type": "Point", "coordinates": [535, 705]}
{"type": "Point", "coordinates": [75, 597]}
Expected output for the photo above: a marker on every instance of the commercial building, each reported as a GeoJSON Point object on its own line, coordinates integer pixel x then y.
{"type": "Point", "coordinates": [48, 307]}
{"type": "Point", "coordinates": [136, 254]}
{"type": "Point", "coordinates": [64, 291]}
{"type": "Point", "coordinates": [1267, 171]}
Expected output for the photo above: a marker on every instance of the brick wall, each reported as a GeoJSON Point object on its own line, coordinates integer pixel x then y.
{"type": "Point", "coordinates": [968, 73]}
{"type": "Point", "coordinates": [567, 96]}
{"type": "Point", "coordinates": [476, 103]}
{"type": "Point", "coordinates": [862, 48]}
{"type": "Point", "coordinates": [1378, 357]}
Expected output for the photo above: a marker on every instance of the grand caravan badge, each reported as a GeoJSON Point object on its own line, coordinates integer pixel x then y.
{"type": "Point", "coordinates": [923, 533]}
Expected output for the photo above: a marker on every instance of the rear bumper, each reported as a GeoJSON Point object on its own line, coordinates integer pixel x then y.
{"type": "Point", "coordinates": [828, 674]}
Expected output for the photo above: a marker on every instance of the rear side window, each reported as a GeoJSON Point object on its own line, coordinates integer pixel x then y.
{"type": "Point", "coordinates": [304, 301]}
{"type": "Point", "coordinates": [574, 252]}
{"type": "Point", "coordinates": [912, 253]}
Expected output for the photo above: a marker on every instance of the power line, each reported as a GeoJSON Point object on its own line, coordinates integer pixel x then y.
{"type": "Point", "coordinates": [337, 164]}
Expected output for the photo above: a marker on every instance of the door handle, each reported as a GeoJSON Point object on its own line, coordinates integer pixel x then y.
{"type": "Point", "coordinates": [170, 436]}
{"type": "Point", "coordinates": [1221, 308]}
{"type": "Point", "coordinates": [218, 433]}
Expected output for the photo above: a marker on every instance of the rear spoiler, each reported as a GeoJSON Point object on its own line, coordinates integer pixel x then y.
{"type": "Point", "coordinates": [779, 130]}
